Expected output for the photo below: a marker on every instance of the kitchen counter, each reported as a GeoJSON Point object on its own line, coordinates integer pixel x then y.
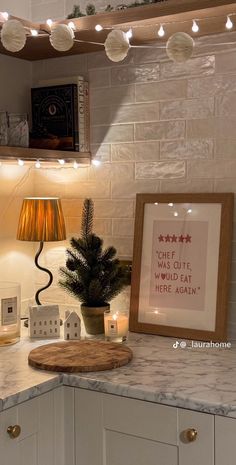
{"type": "Point", "coordinates": [195, 378]}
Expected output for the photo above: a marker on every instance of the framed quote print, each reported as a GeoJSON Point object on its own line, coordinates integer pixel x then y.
{"type": "Point", "coordinates": [181, 265]}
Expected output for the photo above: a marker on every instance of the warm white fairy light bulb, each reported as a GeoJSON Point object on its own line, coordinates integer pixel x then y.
{"type": "Point", "coordinates": [129, 34]}
{"type": "Point", "coordinates": [195, 27]}
{"type": "Point", "coordinates": [34, 32]}
{"type": "Point", "coordinates": [38, 164]}
{"type": "Point", "coordinates": [98, 28]}
{"type": "Point", "coordinates": [170, 204]}
{"type": "Point", "coordinates": [5, 15]}
{"type": "Point", "coordinates": [21, 162]}
{"type": "Point", "coordinates": [96, 162]}
{"type": "Point", "coordinates": [75, 165]}
{"type": "Point", "coordinates": [49, 22]}
{"type": "Point", "coordinates": [176, 214]}
{"type": "Point", "coordinates": [72, 25]}
{"type": "Point", "coordinates": [189, 210]}
{"type": "Point", "coordinates": [161, 31]}
{"type": "Point", "coordinates": [229, 24]}
{"type": "Point", "coordinates": [61, 161]}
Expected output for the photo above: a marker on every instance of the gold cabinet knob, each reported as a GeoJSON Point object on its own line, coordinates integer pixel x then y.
{"type": "Point", "coordinates": [14, 431]}
{"type": "Point", "coordinates": [190, 434]}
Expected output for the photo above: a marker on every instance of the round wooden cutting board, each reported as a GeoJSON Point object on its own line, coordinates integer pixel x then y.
{"type": "Point", "coordinates": [83, 356]}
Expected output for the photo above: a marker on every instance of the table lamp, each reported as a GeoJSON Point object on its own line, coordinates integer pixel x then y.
{"type": "Point", "coordinates": [41, 220]}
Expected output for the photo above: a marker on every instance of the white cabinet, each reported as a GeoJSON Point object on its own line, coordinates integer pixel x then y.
{"type": "Point", "coordinates": [40, 441]}
{"type": "Point", "coordinates": [113, 430]}
{"type": "Point", "coordinates": [225, 441]}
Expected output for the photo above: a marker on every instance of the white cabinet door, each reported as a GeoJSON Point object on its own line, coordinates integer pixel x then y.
{"type": "Point", "coordinates": [36, 443]}
{"type": "Point", "coordinates": [111, 430]}
{"type": "Point", "coordinates": [201, 450]}
{"type": "Point", "coordinates": [225, 441]}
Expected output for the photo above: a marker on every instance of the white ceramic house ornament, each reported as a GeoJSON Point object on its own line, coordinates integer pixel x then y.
{"type": "Point", "coordinates": [44, 321]}
{"type": "Point", "coordinates": [72, 326]}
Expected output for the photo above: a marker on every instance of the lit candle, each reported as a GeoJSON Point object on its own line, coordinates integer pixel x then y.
{"type": "Point", "coordinates": [116, 326]}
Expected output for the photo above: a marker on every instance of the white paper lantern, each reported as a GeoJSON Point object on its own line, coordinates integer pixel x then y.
{"type": "Point", "coordinates": [179, 47]}
{"type": "Point", "coordinates": [117, 45]}
{"type": "Point", "coordinates": [62, 37]}
{"type": "Point", "coordinates": [13, 35]}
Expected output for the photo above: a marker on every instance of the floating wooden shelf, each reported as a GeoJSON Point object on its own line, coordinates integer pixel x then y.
{"type": "Point", "coordinates": [14, 153]}
{"type": "Point", "coordinates": [176, 15]}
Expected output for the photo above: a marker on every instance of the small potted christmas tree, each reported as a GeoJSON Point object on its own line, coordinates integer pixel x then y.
{"type": "Point", "coordinates": [92, 274]}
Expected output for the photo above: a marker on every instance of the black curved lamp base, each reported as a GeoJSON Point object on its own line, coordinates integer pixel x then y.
{"type": "Point", "coordinates": [42, 269]}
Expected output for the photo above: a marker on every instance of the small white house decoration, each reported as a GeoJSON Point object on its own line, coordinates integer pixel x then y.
{"type": "Point", "coordinates": [44, 321]}
{"type": "Point", "coordinates": [72, 326]}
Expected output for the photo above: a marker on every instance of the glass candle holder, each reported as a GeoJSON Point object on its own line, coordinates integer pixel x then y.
{"type": "Point", "coordinates": [9, 313]}
{"type": "Point", "coordinates": [116, 326]}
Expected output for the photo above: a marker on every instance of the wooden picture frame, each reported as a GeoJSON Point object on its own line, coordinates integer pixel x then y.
{"type": "Point", "coordinates": [181, 265]}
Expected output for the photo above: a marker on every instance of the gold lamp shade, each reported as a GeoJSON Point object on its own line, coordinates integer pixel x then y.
{"type": "Point", "coordinates": [41, 220]}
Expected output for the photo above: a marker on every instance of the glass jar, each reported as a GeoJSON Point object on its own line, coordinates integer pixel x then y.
{"type": "Point", "coordinates": [10, 299]}
{"type": "Point", "coordinates": [116, 326]}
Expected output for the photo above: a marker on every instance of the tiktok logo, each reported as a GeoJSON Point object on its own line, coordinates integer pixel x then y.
{"type": "Point", "coordinates": [176, 345]}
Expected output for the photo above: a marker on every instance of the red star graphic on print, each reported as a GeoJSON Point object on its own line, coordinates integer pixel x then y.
{"type": "Point", "coordinates": [181, 238]}
{"type": "Point", "coordinates": [188, 238]}
{"type": "Point", "coordinates": [161, 238]}
{"type": "Point", "coordinates": [174, 238]}
{"type": "Point", "coordinates": [167, 238]}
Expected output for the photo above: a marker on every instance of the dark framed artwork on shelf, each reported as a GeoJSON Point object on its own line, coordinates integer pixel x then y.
{"type": "Point", "coordinates": [181, 265]}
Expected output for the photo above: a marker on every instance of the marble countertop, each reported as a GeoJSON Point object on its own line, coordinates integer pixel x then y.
{"type": "Point", "coordinates": [195, 378]}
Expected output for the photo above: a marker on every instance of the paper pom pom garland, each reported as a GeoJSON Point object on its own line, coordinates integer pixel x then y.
{"type": "Point", "coordinates": [117, 45]}
{"type": "Point", "coordinates": [179, 47]}
{"type": "Point", "coordinates": [13, 35]}
{"type": "Point", "coordinates": [62, 37]}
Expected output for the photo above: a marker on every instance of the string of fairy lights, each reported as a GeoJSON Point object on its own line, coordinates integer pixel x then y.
{"type": "Point", "coordinates": [62, 36]}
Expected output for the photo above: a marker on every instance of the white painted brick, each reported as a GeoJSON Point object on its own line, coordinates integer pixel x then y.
{"type": "Point", "coordinates": [100, 173]}
{"type": "Point", "coordinates": [211, 127]}
{"type": "Point", "coordinates": [139, 151]}
{"type": "Point", "coordinates": [149, 55]}
{"type": "Point", "coordinates": [99, 78]}
{"type": "Point", "coordinates": [65, 66]}
{"type": "Point", "coordinates": [188, 109]}
{"type": "Point", "coordinates": [128, 190]}
{"type": "Point", "coordinates": [225, 148]}
{"type": "Point", "coordinates": [123, 227]}
{"type": "Point", "coordinates": [188, 148]}
{"type": "Point", "coordinates": [135, 74]}
{"type": "Point", "coordinates": [72, 207]}
{"type": "Point", "coordinates": [114, 209]}
{"type": "Point", "coordinates": [122, 171]}
{"type": "Point", "coordinates": [158, 91]}
{"type": "Point", "coordinates": [211, 86]}
{"type": "Point", "coordinates": [226, 104]}
{"type": "Point", "coordinates": [82, 190]}
{"type": "Point", "coordinates": [200, 66]}
{"type": "Point", "coordinates": [103, 226]}
{"type": "Point", "coordinates": [187, 185]}
{"type": "Point", "coordinates": [123, 245]}
{"type": "Point", "coordinates": [103, 152]}
{"type": "Point", "coordinates": [160, 170]}
{"type": "Point", "coordinates": [159, 131]}
{"type": "Point", "coordinates": [121, 95]}
{"type": "Point", "coordinates": [225, 185]}
{"type": "Point", "coordinates": [100, 60]}
{"type": "Point", "coordinates": [212, 169]}
{"type": "Point", "coordinates": [125, 113]}
{"type": "Point", "coordinates": [109, 134]}
{"type": "Point", "coordinates": [226, 62]}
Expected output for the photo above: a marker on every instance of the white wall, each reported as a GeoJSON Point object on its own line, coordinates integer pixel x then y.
{"type": "Point", "coordinates": [16, 262]}
{"type": "Point", "coordinates": [158, 127]}
{"type": "Point", "coordinates": [20, 8]}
